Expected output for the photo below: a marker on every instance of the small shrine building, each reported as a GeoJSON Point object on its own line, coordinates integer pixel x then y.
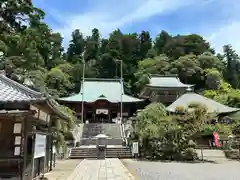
{"type": "Point", "coordinates": [164, 88]}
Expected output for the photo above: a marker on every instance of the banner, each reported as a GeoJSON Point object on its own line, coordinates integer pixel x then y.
{"type": "Point", "coordinates": [216, 139]}
{"type": "Point", "coordinates": [40, 146]}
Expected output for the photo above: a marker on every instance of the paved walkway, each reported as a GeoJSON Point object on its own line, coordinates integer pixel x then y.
{"type": "Point", "coordinates": [63, 169]}
{"type": "Point", "coordinates": [105, 169]}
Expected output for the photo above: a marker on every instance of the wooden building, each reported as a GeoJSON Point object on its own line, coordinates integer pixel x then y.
{"type": "Point", "coordinates": [26, 138]}
{"type": "Point", "coordinates": [164, 88]}
{"type": "Point", "coordinates": [102, 101]}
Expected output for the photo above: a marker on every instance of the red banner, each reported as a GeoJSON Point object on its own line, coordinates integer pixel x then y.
{"type": "Point", "coordinates": [216, 139]}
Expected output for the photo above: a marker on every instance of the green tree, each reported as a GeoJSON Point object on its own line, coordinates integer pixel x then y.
{"type": "Point", "coordinates": [92, 46]}
{"type": "Point", "coordinates": [232, 66]}
{"type": "Point", "coordinates": [160, 42]}
{"type": "Point", "coordinates": [58, 82]}
{"type": "Point", "coordinates": [145, 44]}
{"type": "Point", "coordinates": [76, 47]}
{"type": "Point", "coordinates": [156, 65]}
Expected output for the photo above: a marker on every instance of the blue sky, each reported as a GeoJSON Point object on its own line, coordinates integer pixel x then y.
{"type": "Point", "coordinates": [218, 21]}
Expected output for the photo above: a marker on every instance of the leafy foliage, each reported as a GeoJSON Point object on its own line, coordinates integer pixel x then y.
{"type": "Point", "coordinates": [172, 137]}
{"type": "Point", "coordinates": [63, 128]}
{"type": "Point", "coordinates": [163, 136]}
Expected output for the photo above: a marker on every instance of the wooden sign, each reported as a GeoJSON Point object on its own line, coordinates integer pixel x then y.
{"type": "Point", "coordinates": [102, 111]}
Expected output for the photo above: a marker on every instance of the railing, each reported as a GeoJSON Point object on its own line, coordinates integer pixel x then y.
{"type": "Point", "coordinates": [121, 131]}
{"type": "Point", "coordinates": [123, 134]}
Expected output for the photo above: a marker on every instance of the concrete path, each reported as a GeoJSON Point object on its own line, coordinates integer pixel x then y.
{"type": "Point", "coordinates": [105, 169]}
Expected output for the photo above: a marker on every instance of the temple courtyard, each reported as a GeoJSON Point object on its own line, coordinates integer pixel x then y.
{"type": "Point", "coordinates": [129, 169]}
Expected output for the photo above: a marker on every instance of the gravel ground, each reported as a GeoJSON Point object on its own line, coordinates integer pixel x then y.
{"type": "Point", "coordinates": [145, 170]}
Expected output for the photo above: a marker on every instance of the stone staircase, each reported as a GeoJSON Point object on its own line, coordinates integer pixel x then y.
{"type": "Point", "coordinates": [88, 149]}
{"type": "Point", "coordinates": [92, 130]}
{"type": "Point", "coordinates": [93, 141]}
{"type": "Point", "coordinates": [111, 130]}
{"type": "Point", "coordinates": [91, 152]}
{"type": "Point", "coordinates": [118, 152]}
{"type": "Point", "coordinates": [83, 152]}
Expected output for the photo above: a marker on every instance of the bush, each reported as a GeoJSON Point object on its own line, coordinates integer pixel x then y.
{"type": "Point", "coordinates": [168, 137]}
{"type": "Point", "coordinates": [190, 154]}
{"type": "Point", "coordinates": [232, 154]}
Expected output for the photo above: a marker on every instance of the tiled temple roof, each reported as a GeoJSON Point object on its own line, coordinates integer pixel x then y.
{"type": "Point", "coordinates": [11, 91]}
{"type": "Point", "coordinates": [192, 98]}
{"type": "Point", "coordinates": [168, 81]}
{"type": "Point", "coordinates": [14, 92]}
{"type": "Point", "coordinates": [95, 88]}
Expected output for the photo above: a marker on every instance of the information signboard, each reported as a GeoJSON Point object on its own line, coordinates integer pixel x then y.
{"type": "Point", "coordinates": [40, 146]}
{"type": "Point", "coordinates": [135, 148]}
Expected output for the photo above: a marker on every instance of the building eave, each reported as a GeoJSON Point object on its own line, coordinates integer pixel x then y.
{"type": "Point", "coordinates": [52, 105]}
{"type": "Point", "coordinates": [169, 87]}
{"type": "Point", "coordinates": [16, 112]}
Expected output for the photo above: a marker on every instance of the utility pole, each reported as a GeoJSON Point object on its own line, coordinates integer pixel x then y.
{"type": "Point", "coordinates": [121, 91]}
{"type": "Point", "coordinates": [121, 103]}
{"type": "Point", "coordinates": [83, 76]}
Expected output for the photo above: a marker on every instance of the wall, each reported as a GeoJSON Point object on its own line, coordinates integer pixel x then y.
{"type": "Point", "coordinates": [41, 114]}
{"type": "Point", "coordinates": [11, 146]}
{"type": "Point", "coordinates": [6, 137]}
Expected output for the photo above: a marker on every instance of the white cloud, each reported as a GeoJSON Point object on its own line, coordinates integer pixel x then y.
{"type": "Point", "coordinates": [228, 34]}
{"type": "Point", "coordinates": [107, 17]}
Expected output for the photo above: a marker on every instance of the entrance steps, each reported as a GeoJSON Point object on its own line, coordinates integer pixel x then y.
{"type": "Point", "coordinates": [113, 131]}
{"type": "Point", "coordinates": [93, 141]}
{"type": "Point", "coordinates": [93, 129]}
{"type": "Point", "coordinates": [91, 152]}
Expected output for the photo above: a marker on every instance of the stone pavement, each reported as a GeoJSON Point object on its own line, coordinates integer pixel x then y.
{"type": "Point", "coordinates": [63, 169]}
{"type": "Point", "coordinates": [101, 169]}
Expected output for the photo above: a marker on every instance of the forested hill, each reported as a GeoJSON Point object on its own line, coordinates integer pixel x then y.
{"type": "Point", "coordinates": [31, 50]}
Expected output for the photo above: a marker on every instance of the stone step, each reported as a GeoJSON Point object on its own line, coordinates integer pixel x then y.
{"type": "Point", "coordinates": [92, 141]}
{"type": "Point", "coordinates": [93, 129]}
{"type": "Point", "coordinates": [118, 152]}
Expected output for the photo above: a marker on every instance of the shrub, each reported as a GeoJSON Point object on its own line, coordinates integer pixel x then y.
{"type": "Point", "coordinates": [190, 154]}
{"type": "Point", "coordinates": [168, 137]}
{"type": "Point", "coordinates": [232, 154]}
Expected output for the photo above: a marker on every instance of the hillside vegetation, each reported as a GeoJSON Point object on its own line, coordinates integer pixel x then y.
{"type": "Point", "coordinates": [31, 50]}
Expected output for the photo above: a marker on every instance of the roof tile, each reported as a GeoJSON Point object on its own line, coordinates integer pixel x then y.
{"type": "Point", "coordinates": [94, 89]}
{"type": "Point", "coordinates": [11, 91]}
{"type": "Point", "coordinates": [166, 81]}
